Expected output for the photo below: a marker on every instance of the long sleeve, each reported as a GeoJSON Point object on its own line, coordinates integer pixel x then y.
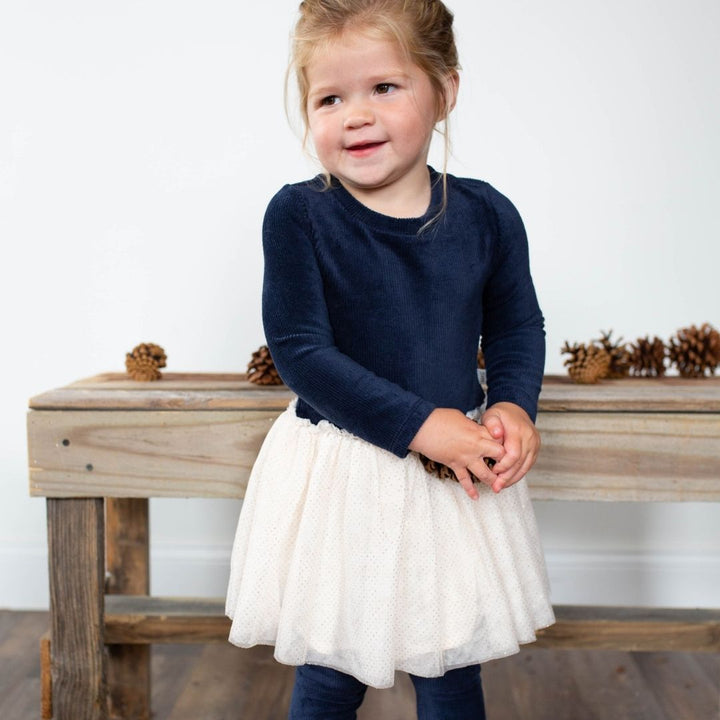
{"type": "Point", "coordinates": [300, 336]}
{"type": "Point", "coordinates": [513, 336]}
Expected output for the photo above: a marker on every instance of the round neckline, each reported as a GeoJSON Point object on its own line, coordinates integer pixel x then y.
{"type": "Point", "coordinates": [377, 220]}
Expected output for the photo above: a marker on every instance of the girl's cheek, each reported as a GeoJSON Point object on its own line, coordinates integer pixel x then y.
{"type": "Point", "coordinates": [319, 133]}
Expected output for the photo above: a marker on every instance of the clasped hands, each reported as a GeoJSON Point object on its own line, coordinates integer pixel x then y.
{"type": "Point", "coordinates": [505, 433]}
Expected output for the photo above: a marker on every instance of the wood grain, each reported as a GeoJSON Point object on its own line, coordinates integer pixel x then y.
{"type": "Point", "coordinates": [76, 549]}
{"type": "Point", "coordinates": [171, 669]}
{"type": "Point", "coordinates": [633, 629]}
{"type": "Point", "coordinates": [155, 619]}
{"type": "Point", "coordinates": [679, 678]}
{"type": "Point", "coordinates": [21, 677]}
{"type": "Point", "coordinates": [127, 565]}
{"type": "Point", "coordinates": [585, 456]}
{"type": "Point", "coordinates": [46, 710]}
{"type": "Point", "coordinates": [668, 394]}
{"type": "Point", "coordinates": [144, 454]}
{"type": "Point", "coordinates": [534, 684]}
{"type": "Point", "coordinates": [628, 457]}
{"type": "Point", "coordinates": [197, 391]}
{"type": "Point", "coordinates": [174, 392]}
{"type": "Point", "coordinates": [268, 685]}
{"type": "Point", "coordinates": [142, 619]}
{"type": "Point", "coordinates": [613, 677]}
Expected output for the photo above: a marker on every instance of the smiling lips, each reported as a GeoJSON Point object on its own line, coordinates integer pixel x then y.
{"type": "Point", "coordinates": [363, 149]}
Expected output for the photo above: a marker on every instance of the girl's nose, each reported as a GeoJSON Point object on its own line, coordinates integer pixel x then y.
{"type": "Point", "coordinates": [357, 115]}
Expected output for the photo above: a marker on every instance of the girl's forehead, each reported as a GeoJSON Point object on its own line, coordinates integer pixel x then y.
{"type": "Point", "coordinates": [357, 51]}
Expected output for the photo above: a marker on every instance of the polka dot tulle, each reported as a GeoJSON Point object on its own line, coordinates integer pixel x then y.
{"type": "Point", "coordinates": [350, 557]}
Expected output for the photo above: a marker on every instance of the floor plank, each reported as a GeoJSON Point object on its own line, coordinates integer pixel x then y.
{"type": "Point", "coordinates": [610, 684]}
{"type": "Point", "coordinates": [221, 682]}
{"type": "Point", "coordinates": [20, 663]}
{"type": "Point", "coordinates": [228, 682]}
{"type": "Point", "coordinates": [686, 690]}
{"type": "Point", "coordinates": [710, 663]}
{"type": "Point", "coordinates": [170, 666]}
{"type": "Point", "coordinates": [8, 620]}
{"type": "Point", "coordinates": [535, 685]}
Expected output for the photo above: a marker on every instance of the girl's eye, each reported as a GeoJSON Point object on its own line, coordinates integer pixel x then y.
{"type": "Point", "coordinates": [384, 88]}
{"type": "Point", "coordinates": [330, 100]}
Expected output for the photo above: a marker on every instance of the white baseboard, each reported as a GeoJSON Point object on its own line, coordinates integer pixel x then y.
{"type": "Point", "coordinates": [24, 577]}
{"type": "Point", "coordinates": [659, 579]}
{"type": "Point", "coordinates": [577, 578]}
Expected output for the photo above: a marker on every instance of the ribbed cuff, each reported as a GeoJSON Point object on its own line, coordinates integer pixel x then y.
{"type": "Point", "coordinates": [511, 394]}
{"type": "Point", "coordinates": [409, 429]}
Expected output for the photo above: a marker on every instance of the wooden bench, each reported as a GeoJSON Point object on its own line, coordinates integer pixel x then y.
{"type": "Point", "coordinates": [99, 448]}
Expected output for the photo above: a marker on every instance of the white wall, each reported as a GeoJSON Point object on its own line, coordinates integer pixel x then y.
{"type": "Point", "coordinates": [140, 143]}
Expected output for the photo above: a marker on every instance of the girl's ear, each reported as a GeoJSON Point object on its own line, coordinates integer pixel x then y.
{"type": "Point", "coordinates": [450, 92]}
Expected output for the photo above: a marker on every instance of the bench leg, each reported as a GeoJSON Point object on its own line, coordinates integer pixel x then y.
{"type": "Point", "coordinates": [128, 573]}
{"type": "Point", "coordinates": [76, 568]}
{"type": "Point", "coordinates": [46, 711]}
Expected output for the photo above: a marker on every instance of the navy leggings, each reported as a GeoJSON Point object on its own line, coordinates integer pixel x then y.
{"type": "Point", "coordinates": [322, 693]}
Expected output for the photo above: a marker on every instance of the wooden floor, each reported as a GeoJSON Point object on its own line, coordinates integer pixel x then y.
{"type": "Point", "coordinates": [221, 682]}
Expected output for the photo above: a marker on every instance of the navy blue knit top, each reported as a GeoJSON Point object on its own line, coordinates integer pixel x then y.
{"type": "Point", "coordinates": [374, 321]}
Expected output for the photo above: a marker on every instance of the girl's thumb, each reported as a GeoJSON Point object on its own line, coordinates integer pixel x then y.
{"type": "Point", "coordinates": [494, 426]}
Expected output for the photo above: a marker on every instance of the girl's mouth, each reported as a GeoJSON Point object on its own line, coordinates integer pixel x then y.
{"type": "Point", "coordinates": [362, 149]}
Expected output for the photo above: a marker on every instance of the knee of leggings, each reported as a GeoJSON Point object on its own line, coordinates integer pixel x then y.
{"type": "Point", "coordinates": [327, 683]}
{"type": "Point", "coordinates": [460, 683]}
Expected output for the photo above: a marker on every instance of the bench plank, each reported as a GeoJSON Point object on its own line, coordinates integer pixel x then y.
{"type": "Point", "coordinates": [194, 453]}
{"type": "Point", "coordinates": [198, 391]}
{"type": "Point", "coordinates": [151, 619]}
{"type": "Point", "coordinates": [142, 619]}
{"type": "Point", "coordinates": [185, 453]}
{"type": "Point", "coordinates": [633, 629]}
{"type": "Point", "coordinates": [628, 457]}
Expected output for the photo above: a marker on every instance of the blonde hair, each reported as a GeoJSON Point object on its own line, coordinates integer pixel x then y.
{"type": "Point", "coordinates": [422, 29]}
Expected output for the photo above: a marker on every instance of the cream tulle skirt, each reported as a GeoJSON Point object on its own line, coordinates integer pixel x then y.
{"type": "Point", "coordinates": [350, 557]}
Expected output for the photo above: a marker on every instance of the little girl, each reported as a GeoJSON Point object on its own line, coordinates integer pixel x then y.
{"type": "Point", "coordinates": [381, 275]}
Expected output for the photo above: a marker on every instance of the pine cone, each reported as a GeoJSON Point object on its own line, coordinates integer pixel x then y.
{"type": "Point", "coordinates": [648, 357]}
{"type": "Point", "coordinates": [587, 363]}
{"type": "Point", "coordinates": [261, 369]}
{"type": "Point", "coordinates": [695, 351]}
{"type": "Point", "coordinates": [619, 356]}
{"type": "Point", "coordinates": [438, 469]}
{"type": "Point", "coordinates": [443, 472]}
{"type": "Point", "coordinates": [144, 362]}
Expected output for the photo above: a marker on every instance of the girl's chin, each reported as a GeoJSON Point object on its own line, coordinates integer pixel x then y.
{"type": "Point", "coordinates": [367, 179]}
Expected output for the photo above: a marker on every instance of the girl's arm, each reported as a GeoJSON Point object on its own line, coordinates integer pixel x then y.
{"type": "Point", "coordinates": [513, 334]}
{"type": "Point", "coordinates": [513, 340]}
{"type": "Point", "coordinates": [300, 338]}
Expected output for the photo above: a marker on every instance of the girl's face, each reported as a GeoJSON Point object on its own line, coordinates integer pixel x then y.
{"type": "Point", "coordinates": [371, 114]}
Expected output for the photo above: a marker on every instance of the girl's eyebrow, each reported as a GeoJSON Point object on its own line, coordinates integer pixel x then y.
{"type": "Point", "coordinates": [388, 75]}
{"type": "Point", "coordinates": [323, 90]}
{"type": "Point", "coordinates": [376, 79]}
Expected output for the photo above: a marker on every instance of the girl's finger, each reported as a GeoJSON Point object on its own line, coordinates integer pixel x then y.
{"type": "Point", "coordinates": [514, 453]}
{"type": "Point", "coordinates": [479, 468]}
{"type": "Point", "coordinates": [467, 484]}
{"type": "Point", "coordinates": [495, 451]}
{"type": "Point", "coordinates": [518, 471]}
